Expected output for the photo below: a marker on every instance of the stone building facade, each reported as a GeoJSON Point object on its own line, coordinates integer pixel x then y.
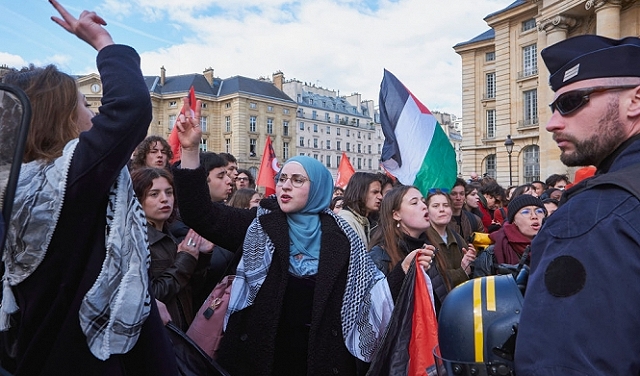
{"type": "Point", "coordinates": [505, 88]}
{"type": "Point", "coordinates": [238, 113]}
{"type": "Point", "coordinates": [328, 124]}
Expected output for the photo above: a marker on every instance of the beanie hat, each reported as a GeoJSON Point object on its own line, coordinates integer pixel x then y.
{"type": "Point", "coordinates": [520, 202]}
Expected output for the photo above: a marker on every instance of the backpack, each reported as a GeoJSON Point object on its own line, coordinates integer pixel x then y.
{"type": "Point", "coordinates": [626, 178]}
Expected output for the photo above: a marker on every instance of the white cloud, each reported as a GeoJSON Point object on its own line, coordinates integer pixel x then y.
{"type": "Point", "coordinates": [340, 43]}
{"type": "Point", "coordinates": [13, 61]}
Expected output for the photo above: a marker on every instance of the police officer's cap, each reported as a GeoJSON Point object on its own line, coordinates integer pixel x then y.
{"type": "Point", "coordinates": [591, 56]}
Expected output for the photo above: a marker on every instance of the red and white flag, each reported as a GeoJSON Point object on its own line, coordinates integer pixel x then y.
{"type": "Point", "coordinates": [268, 169]}
{"type": "Point", "coordinates": [173, 140]}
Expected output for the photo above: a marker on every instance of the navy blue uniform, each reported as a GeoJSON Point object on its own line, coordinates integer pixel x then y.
{"type": "Point", "coordinates": [581, 313]}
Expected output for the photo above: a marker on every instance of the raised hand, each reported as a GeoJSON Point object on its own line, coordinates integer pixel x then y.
{"type": "Point", "coordinates": [87, 27]}
{"type": "Point", "coordinates": [188, 124]}
{"type": "Point", "coordinates": [468, 258]}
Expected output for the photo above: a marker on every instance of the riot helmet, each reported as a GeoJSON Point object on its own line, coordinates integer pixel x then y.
{"type": "Point", "coordinates": [477, 328]}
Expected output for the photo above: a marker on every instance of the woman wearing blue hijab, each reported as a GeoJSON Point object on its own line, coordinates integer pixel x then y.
{"type": "Point", "coordinates": [307, 299]}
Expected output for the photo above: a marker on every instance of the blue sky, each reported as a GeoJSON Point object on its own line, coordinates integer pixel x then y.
{"type": "Point", "coordinates": [337, 44]}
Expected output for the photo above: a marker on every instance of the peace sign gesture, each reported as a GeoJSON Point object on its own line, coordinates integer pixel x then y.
{"type": "Point", "coordinates": [87, 27]}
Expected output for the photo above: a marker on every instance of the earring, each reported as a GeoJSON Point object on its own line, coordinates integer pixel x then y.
{"type": "Point", "coordinates": [398, 224]}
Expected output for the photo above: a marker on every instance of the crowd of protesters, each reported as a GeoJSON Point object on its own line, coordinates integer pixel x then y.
{"type": "Point", "coordinates": [317, 268]}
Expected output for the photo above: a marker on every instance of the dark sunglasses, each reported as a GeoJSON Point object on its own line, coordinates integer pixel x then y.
{"type": "Point", "coordinates": [573, 100]}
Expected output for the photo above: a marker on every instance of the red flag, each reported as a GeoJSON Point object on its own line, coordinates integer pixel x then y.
{"type": "Point", "coordinates": [345, 172]}
{"type": "Point", "coordinates": [424, 329]}
{"type": "Point", "coordinates": [268, 169]}
{"type": "Point", "coordinates": [173, 140]}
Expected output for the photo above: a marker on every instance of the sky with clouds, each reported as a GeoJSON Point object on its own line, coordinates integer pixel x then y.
{"type": "Point", "coordinates": [337, 44]}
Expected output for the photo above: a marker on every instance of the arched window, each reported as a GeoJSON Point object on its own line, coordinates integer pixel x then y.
{"type": "Point", "coordinates": [531, 163]}
{"type": "Point", "coordinates": [490, 165]}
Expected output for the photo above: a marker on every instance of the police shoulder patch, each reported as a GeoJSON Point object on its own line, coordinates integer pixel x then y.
{"type": "Point", "coordinates": [565, 276]}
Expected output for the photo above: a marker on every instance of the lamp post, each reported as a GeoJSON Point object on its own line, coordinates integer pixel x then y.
{"type": "Point", "coordinates": [509, 145]}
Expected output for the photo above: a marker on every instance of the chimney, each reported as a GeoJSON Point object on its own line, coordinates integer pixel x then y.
{"type": "Point", "coordinates": [278, 80]}
{"type": "Point", "coordinates": [163, 75]}
{"type": "Point", "coordinates": [208, 75]}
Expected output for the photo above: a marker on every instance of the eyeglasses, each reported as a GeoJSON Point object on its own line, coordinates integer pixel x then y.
{"type": "Point", "coordinates": [242, 179]}
{"type": "Point", "coordinates": [297, 180]}
{"type": "Point", "coordinates": [538, 211]}
{"type": "Point", "coordinates": [573, 100]}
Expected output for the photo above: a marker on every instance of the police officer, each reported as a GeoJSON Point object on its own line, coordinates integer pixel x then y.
{"type": "Point", "coordinates": [581, 308]}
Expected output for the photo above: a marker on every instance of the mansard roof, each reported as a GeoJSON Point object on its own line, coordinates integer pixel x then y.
{"type": "Point", "coordinates": [487, 35]}
{"type": "Point", "coordinates": [220, 87]}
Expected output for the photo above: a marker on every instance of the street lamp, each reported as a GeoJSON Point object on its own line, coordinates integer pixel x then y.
{"type": "Point", "coordinates": [509, 145]}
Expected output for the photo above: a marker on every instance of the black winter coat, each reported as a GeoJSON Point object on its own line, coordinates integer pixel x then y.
{"type": "Point", "coordinates": [248, 346]}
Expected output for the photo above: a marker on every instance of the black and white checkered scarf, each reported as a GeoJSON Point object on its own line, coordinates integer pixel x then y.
{"type": "Point", "coordinates": [367, 303]}
{"type": "Point", "coordinates": [113, 310]}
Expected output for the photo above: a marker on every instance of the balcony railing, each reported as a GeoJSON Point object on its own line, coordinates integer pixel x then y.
{"type": "Point", "coordinates": [528, 73]}
{"type": "Point", "coordinates": [526, 123]}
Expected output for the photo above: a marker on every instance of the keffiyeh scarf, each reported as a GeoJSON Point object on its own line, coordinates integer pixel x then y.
{"type": "Point", "coordinates": [367, 303]}
{"type": "Point", "coordinates": [113, 311]}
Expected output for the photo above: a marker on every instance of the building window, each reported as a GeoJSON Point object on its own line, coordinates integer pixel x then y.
{"type": "Point", "coordinates": [359, 148]}
{"type": "Point", "coordinates": [379, 148]}
{"type": "Point", "coordinates": [328, 144]}
{"type": "Point", "coordinates": [173, 104]}
{"type": "Point", "coordinates": [285, 111]}
{"type": "Point", "coordinates": [328, 129]}
{"type": "Point", "coordinates": [252, 147]}
{"type": "Point", "coordinates": [253, 105]}
{"type": "Point", "coordinates": [368, 136]}
{"type": "Point", "coordinates": [269, 126]}
{"type": "Point", "coordinates": [369, 149]}
{"type": "Point", "coordinates": [348, 146]}
{"type": "Point", "coordinates": [285, 128]}
{"type": "Point", "coordinates": [490, 165]}
{"type": "Point", "coordinates": [490, 56]}
{"type": "Point", "coordinates": [203, 105]}
{"type": "Point", "coordinates": [269, 108]}
{"type": "Point", "coordinates": [338, 146]}
{"type": "Point", "coordinates": [359, 163]}
{"type": "Point", "coordinates": [301, 142]}
{"type": "Point", "coordinates": [529, 24]}
{"type": "Point", "coordinates": [172, 121]}
{"type": "Point", "coordinates": [315, 128]}
{"type": "Point", "coordinates": [531, 163]}
{"type": "Point", "coordinates": [227, 105]}
{"type": "Point", "coordinates": [338, 131]}
{"type": "Point", "coordinates": [252, 123]}
{"type": "Point", "coordinates": [285, 150]}
{"type": "Point", "coordinates": [328, 164]}
{"type": "Point", "coordinates": [491, 85]}
{"type": "Point", "coordinates": [203, 123]}
{"type": "Point", "coordinates": [337, 119]}
{"type": "Point", "coordinates": [301, 126]}
{"type": "Point", "coordinates": [203, 144]}
{"type": "Point", "coordinates": [491, 123]}
{"type": "Point", "coordinates": [227, 123]}
{"type": "Point", "coordinates": [311, 101]}
{"type": "Point", "coordinates": [348, 132]}
{"type": "Point", "coordinates": [314, 114]}
{"type": "Point", "coordinates": [530, 99]}
{"type": "Point", "coordinates": [315, 143]}
{"type": "Point", "coordinates": [227, 145]}
{"type": "Point", "coordinates": [369, 163]}
{"type": "Point", "coordinates": [315, 156]}
{"type": "Point", "coordinates": [358, 134]}
{"type": "Point", "coordinates": [326, 116]}
{"type": "Point", "coordinates": [338, 158]}
{"type": "Point", "coordinates": [529, 60]}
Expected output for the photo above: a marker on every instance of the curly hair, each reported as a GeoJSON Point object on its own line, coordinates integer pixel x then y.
{"type": "Point", "coordinates": [140, 155]}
